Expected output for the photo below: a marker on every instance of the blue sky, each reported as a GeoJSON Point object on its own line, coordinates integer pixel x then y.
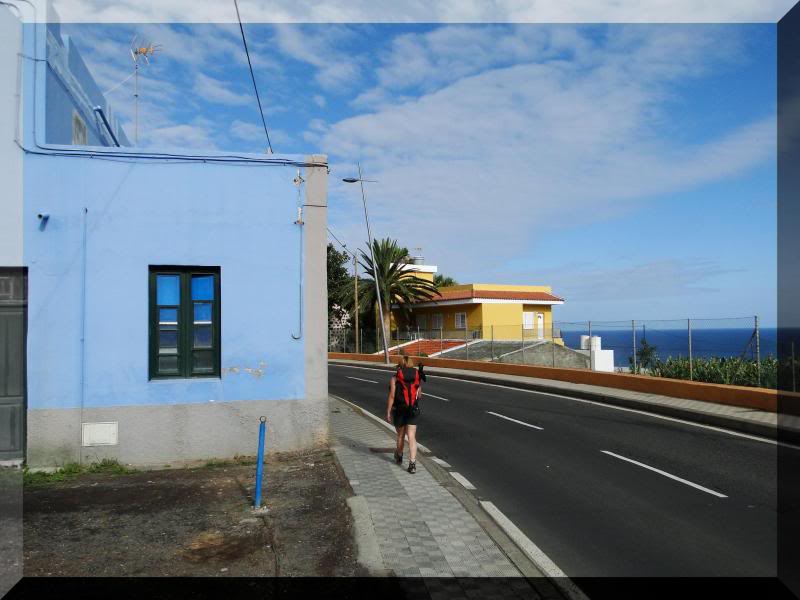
{"type": "Point", "coordinates": [631, 167]}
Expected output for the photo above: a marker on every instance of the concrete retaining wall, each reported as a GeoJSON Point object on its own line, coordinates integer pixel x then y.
{"type": "Point", "coordinates": [759, 398]}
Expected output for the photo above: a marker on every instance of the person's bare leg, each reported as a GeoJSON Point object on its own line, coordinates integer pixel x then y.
{"type": "Point", "coordinates": [401, 438]}
{"type": "Point", "coordinates": [411, 430]}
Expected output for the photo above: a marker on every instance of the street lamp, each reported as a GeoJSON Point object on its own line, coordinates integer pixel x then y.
{"type": "Point", "coordinates": [361, 181]}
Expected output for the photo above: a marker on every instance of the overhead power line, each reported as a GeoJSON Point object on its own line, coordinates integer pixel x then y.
{"type": "Point", "coordinates": [252, 75]}
{"type": "Point", "coordinates": [344, 246]}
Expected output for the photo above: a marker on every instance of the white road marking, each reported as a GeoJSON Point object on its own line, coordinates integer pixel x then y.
{"type": "Point", "coordinates": [665, 474]}
{"type": "Point", "coordinates": [359, 379]}
{"type": "Point", "coordinates": [514, 420]}
{"type": "Point", "coordinates": [462, 480]}
{"type": "Point", "coordinates": [441, 462]}
{"type": "Point", "coordinates": [378, 420]}
{"type": "Point", "coordinates": [748, 436]}
{"type": "Point", "coordinates": [534, 553]}
{"type": "Point", "coordinates": [425, 394]}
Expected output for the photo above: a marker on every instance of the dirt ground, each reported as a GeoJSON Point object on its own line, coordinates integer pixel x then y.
{"type": "Point", "coordinates": [194, 522]}
{"type": "Point", "coordinates": [10, 527]}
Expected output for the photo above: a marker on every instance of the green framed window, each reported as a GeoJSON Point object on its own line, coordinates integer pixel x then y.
{"type": "Point", "coordinates": [184, 322]}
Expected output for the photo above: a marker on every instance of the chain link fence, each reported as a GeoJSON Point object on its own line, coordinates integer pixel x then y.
{"type": "Point", "coordinates": [734, 351]}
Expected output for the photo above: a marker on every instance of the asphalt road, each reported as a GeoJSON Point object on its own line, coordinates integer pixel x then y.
{"type": "Point", "coordinates": [571, 487]}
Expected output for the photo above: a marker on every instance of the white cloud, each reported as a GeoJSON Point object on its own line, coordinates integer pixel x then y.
{"type": "Point", "coordinates": [246, 131]}
{"type": "Point", "coordinates": [253, 132]}
{"type": "Point", "coordinates": [420, 11]}
{"type": "Point", "coordinates": [319, 46]}
{"type": "Point", "coordinates": [319, 100]}
{"type": "Point", "coordinates": [186, 59]}
{"type": "Point", "coordinates": [181, 136]}
{"type": "Point", "coordinates": [218, 91]}
{"type": "Point", "coordinates": [512, 152]}
{"type": "Point", "coordinates": [661, 278]}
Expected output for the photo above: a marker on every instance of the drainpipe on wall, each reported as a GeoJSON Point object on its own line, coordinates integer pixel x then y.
{"type": "Point", "coordinates": [83, 334]}
{"type": "Point", "coordinates": [106, 124]}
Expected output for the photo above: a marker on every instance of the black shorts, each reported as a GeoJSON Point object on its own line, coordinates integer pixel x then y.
{"type": "Point", "coordinates": [401, 418]}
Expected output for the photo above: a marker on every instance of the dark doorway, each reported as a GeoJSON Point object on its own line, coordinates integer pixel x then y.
{"type": "Point", "coordinates": [13, 330]}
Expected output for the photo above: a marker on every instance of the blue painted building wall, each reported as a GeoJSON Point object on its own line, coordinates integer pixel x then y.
{"type": "Point", "coordinates": [114, 213]}
{"type": "Point", "coordinates": [239, 218]}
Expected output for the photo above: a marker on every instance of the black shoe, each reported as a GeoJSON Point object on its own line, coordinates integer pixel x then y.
{"type": "Point", "coordinates": [398, 458]}
{"type": "Point", "coordinates": [412, 466]}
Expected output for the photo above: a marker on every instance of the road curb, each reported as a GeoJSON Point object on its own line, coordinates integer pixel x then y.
{"type": "Point", "coordinates": [732, 423]}
{"type": "Point", "coordinates": [534, 553]}
{"type": "Point", "coordinates": [369, 552]}
{"type": "Point", "coordinates": [558, 584]}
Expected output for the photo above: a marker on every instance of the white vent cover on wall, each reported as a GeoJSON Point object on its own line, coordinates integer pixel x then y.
{"type": "Point", "coordinates": [99, 434]}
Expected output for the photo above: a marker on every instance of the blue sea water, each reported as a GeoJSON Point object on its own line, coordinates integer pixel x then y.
{"type": "Point", "coordinates": [674, 342]}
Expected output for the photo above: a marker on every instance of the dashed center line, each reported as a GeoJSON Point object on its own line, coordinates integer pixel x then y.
{"type": "Point", "coordinates": [426, 394]}
{"type": "Point", "coordinates": [665, 474]}
{"type": "Point", "coordinates": [513, 420]}
{"type": "Point", "coordinates": [359, 379]}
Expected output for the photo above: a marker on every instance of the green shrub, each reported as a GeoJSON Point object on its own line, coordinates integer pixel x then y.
{"type": "Point", "coordinates": [111, 466]}
{"type": "Point", "coordinates": [728, 371]}
{"type": "Point", "coordinates": [72, 470]}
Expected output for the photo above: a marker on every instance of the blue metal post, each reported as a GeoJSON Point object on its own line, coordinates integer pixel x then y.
{"type": "Point", "coordinates": [262, 429]}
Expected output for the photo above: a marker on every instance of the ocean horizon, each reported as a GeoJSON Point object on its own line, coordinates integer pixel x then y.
{"type": "Point", "coordinates": [706, 343]}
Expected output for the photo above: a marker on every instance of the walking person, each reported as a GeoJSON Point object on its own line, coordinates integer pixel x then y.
{"type": "Point", "coordinates": [402, 410]}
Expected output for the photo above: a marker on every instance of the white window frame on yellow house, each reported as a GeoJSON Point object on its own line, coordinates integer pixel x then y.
{"type": "Point", "coordinates": [463, 316]}
{"type": "Point", "coordinates": [528, 320]}
{"type": "Point", "coordinates": [437, 321]}
{"type": "Point", "coordinates": [422, 322]}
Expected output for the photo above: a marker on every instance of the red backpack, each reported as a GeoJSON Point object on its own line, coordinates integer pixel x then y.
{"type": "Point", "coordinates": [408, 392]}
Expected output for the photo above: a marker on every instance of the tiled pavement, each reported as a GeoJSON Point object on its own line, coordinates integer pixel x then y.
{"type": "Point", "coordinates": [422, 529]}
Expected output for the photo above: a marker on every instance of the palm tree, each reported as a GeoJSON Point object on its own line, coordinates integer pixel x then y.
{"type": "Point", "coordinates": [441, 281]}
{"type": "Point", "coordinates": [397, 285]}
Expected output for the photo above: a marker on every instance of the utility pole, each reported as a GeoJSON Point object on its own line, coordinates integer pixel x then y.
{"type": "Point", "coordinates": [355, 296]}
{"type": "Point", "coordinates": [633, 328]}
{"type": "Point", "coordinates": [360, 180]}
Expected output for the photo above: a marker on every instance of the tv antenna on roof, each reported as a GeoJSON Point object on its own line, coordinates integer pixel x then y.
{"type": "Point", "coordinates": [139, 53]}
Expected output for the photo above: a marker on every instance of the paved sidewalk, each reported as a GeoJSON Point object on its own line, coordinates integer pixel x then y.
{"type": "Point", "coordinates": [421, 528]}
{"type": "Point", "coordinates": [747, 420]}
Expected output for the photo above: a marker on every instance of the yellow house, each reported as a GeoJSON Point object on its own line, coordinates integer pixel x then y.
{"type": "Point", "coordinates": [481, 311]}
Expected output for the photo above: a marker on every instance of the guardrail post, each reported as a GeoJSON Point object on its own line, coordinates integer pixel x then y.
{"type": "Point", "coordinates": [553, 342]}
{"type": "Point", "coordinates": [262, 428]}
{"type": "Point", "coordinates": [633, 328]}
{"type": "Point", "coordinates": [522, 341]}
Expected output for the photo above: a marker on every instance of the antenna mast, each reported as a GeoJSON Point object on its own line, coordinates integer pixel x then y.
{"type": "Point", "coordinates": [138, 53]}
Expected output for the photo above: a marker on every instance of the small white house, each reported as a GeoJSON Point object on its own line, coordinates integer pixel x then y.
{"type": "Point", "coordinates": [601, 360]}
